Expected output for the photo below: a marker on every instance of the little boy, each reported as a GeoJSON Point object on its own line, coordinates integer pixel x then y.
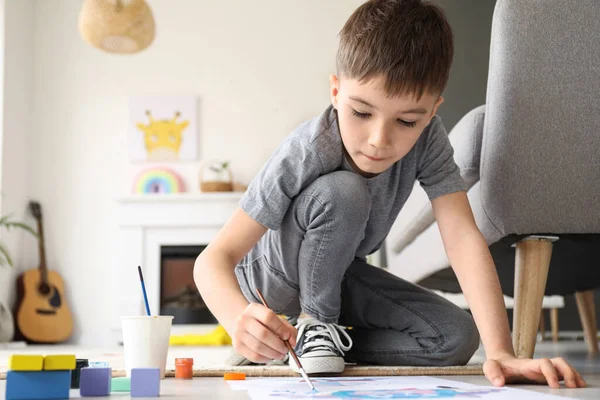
{"type": "Point", "coordinates": [327, 198]}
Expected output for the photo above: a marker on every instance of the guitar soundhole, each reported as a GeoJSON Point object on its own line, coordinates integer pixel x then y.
{"type": "Point", "coordinates": [44, 288]}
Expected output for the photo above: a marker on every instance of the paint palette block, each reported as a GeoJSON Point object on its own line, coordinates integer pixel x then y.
{"type": "Point", "coordinates": [122, 384]}
{"type": "Point", "coordinates": [26, 362]}
{"type": "Point", "coordinates": [59, 362]}
{"type": "Point", "coordinates": [34, 385]}
{"type": "Point", "coordinates": [145, 382]}
{"type": "Point", "coordinates": [95, 382]}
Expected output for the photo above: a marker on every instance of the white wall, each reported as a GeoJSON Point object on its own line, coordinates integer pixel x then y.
{"type": "Point", "coordinates": [17, 95]}
{"type": "Point", "coordinates": [259, 69]}
{"type": "Point", "coordinates": [6, 275]}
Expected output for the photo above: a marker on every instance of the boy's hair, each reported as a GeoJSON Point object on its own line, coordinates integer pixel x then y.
{"type": "Point", "coordinates": [407, 42]}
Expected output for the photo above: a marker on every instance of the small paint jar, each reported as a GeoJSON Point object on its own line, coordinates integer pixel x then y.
{"type": "Point", "coordinates": [184, 368]}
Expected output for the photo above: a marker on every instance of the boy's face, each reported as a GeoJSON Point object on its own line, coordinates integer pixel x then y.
{"type": "Point", "coordinates": [378, 130]}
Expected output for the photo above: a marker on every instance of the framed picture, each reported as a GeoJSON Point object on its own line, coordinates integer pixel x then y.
{"type": "Point", "coordinates": [163, 128]}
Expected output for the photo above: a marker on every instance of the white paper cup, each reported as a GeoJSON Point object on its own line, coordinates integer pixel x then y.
{"type": "Point", "coordinates": [146, 342]}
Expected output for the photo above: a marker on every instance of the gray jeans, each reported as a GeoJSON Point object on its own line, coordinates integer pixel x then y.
{"type": "Point", "coordinates": [310, 265]}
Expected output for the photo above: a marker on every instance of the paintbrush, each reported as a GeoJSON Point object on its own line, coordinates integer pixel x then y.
{"type": "Point", "coordinates": [290, 348]}
{"type": "Point", "coordinates": [144, 290]}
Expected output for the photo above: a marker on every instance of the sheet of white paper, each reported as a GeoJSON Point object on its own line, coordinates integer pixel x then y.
{"type": "Point", "coordinates": [367, 388]}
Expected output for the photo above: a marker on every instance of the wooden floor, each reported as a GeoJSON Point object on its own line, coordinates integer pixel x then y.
{"type": "Point", "coordinates": [217, 388]}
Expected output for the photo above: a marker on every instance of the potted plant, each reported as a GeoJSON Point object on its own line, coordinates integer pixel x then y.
{"type": "Point", "coordinates": [7, 223]}
{"type": "Point", "coordinates": [215, 176]}
{"type": "Point", "coordinates": [7, 328]}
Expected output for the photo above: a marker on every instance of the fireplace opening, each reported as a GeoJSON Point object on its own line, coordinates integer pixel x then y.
{"type": "Point", "coordinates": [179, 296]}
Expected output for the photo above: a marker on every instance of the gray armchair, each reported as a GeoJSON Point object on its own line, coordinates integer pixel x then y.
{"type": "Point", "coordinates": [531, 160]}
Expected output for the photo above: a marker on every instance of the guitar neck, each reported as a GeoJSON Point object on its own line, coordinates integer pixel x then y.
{"type": "Point", "coordinates": [43, 267]}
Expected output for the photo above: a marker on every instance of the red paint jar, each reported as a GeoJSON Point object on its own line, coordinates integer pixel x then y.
{"type": "Point", "coordinates": [184, 368]}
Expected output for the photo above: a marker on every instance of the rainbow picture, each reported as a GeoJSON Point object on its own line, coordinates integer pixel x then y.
{"type": "Point", "coordinates": [158, 180]}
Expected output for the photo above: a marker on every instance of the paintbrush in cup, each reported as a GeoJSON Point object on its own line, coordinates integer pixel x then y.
{"type": "Point", "coordinates": [290, 348]}
{"type": "Point", "coordinates": [144, 290]}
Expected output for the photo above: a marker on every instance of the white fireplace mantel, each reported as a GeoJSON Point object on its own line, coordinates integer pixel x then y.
{"type": "Point", "coordinates": [147, 222]}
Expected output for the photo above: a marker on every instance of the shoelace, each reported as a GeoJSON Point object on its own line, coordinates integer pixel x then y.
{"type": "Point", "coordinates": [319, 334]}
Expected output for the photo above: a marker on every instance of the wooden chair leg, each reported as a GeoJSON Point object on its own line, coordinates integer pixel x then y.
{"type": "Point", "coordinates": [554, 324]}
{"type": "Point", "coordinates": [542, 325]}
{"type": "Point", "coordinates": [532, 260]}
{"type": "Point", "coordinates": [587, 314]}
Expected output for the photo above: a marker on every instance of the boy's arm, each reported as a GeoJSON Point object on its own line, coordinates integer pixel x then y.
{"type": "Point", "coordinates": [474, 267]}
{"type": "Point", "coordinates": [256, 331]}
{"type": "Point", "coordinates": [472, 262]}
{"type": "Point", "coordinates": [214, 269]}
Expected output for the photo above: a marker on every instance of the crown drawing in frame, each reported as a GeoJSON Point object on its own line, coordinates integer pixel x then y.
{"type": "Point", "coordinates": [163, 128]}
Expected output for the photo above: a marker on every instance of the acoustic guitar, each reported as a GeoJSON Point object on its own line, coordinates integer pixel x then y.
{"type": "Point", "coordinates": [42, 314]}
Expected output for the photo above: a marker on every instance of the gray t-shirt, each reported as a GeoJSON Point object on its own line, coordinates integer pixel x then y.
{"type": "Point", "coordinates": [315, 148]}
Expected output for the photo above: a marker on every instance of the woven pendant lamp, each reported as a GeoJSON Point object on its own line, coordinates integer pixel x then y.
{"type": "Point", "coordinates": [117, 26]}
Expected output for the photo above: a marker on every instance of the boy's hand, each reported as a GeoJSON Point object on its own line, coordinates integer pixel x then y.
{"type": "Point", "coordinates": [509, 369]}
{"type": "Point", "coordinates": [259, 334]}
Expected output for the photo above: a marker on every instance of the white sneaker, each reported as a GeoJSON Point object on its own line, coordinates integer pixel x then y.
{"type": "Point", "coordinates": [319, 347]}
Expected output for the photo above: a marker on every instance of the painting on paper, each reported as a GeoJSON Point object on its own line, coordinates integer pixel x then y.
{"type": "Point", "coordinates": [163, 128]}
{"type": "Point", "coordinates": [371, 388]}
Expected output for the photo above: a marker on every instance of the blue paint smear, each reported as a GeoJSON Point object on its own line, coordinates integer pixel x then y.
{"type": "Point", "coordinates": [409, 393]}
